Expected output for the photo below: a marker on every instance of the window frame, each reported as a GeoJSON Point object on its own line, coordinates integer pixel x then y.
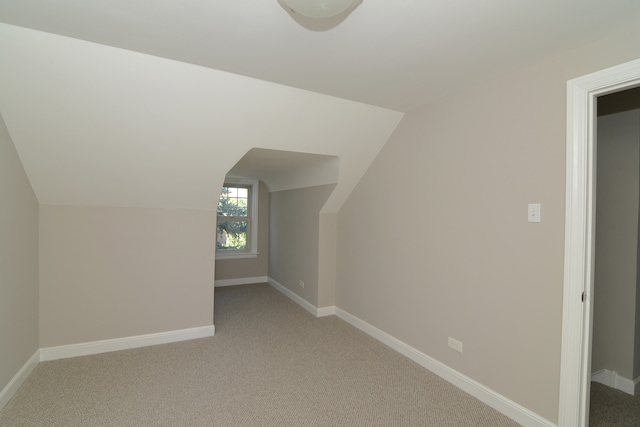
{"type": "Point", "coordinates": [252, 218]}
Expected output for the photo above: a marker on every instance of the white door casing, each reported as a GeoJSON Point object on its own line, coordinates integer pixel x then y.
{"type": "Point", "coordinates": [577, 314]}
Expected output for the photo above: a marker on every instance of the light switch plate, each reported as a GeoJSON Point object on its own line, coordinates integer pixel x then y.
{"type": "Point", "coordinates": [534, 212]}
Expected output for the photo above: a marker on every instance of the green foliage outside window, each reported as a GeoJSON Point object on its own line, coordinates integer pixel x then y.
{"type": "Point", "coordinates": [233, 219]}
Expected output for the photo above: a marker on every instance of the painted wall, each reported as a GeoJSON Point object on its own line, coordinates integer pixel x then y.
{"type": "Point", "coordinates": [327, 262]}
{"type": "Point", "coordinates": [616, 259]}
{"type": "Point", "coordinates": [96, 125]}
{"type": "Point", "coordinates": [636, 347]}
{"type": "Point", "coordinates": [434, 240]}
{"type": "Point", "coordinates": [251, 267]}
{"type": "Point", "coordinates": [295, 238]}
{"type": "Point", "coordinates": [140, 130]}
{"type": "Point", "coordinates": [18, 263]}
{"type": "Point", "coordinates": [109, 272]}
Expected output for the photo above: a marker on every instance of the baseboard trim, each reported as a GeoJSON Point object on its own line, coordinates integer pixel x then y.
{"type": "Point", "coordinates": [10, 389]}
{"type": "Point", "coordinates": [498, 402]}
{"type": "Point", "coordinates": [95, 347]}
{"type": "Point", "coordinates": [104, 346]}
{"type": "Point", "coordinates": [612, 379]}
{"type": "Point", "coordinates": [240, 281]}
{"type": "Point", "coordinates": [325, 311]}
{"type": "Point", "coordinates": [294, 297]}
{"type": "Point", "coordinates": [317, 312]}
{"type": "Point", "coordinates": [603, 376]}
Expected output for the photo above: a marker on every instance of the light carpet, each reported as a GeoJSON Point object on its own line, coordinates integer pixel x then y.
{"type": "Point", "coordinates": [270, 364]}
{"type": "Point", "coordinates": [613, 408]}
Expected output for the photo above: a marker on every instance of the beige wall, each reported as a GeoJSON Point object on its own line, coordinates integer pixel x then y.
{"type": "Point", "coordinates": [18, 263]}
{"type": "Point", "coordinates": [636, 347]}
{"type": "Point", "coordinates": [251, 267]}
{"type": "Point", "coordinates": [327, 262]}
{"type": "Point", "coordinates": [434, 240]}
{"type": "Point", "coordinates": [616, 261]}
{"type": "Point", "coordinates": [294, 238]}
{"type": "Point", "coordinates": [108, 272]}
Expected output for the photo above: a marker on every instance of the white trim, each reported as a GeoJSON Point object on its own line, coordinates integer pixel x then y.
{"type": "Point", "coordinates": [18, 379]}
{"type": "Point", "coordinates": [317, 312]}
{"type": "Point", "coordinates": [294, 297]}
{"type": "Point", "coordinates": [240, 281]}
{"type": "Point", "coordinates": [624, 384]}
{"type": "Point", "coordinates": [579, 236]}
{"type": "Point", "coordinates": [326, 311]}
{"type": "Point", "coordinates": [234, 254]}
{"type": "Point", "coordinates": [603, 376]}
{"type": "Point", "coordinates": [104, 346]}
{"type": "Point", "coordinates": [612, 379]}
{"type": "Point", "coordinates": [252, 250]}
{"type": "Point", "coordinates": [498, 402]}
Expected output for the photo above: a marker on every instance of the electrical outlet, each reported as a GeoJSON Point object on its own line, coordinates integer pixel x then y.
{"type": "Point", "coordinates": [455, 344]}
{"type": "Point", "coordinates": [301, 284]}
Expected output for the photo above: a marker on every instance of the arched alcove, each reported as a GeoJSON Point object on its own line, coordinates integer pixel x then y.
{"type": "Point", "coordinates": [292, 187]}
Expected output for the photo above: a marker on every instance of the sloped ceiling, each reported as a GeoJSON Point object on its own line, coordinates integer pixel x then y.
{"type": "Point", "coordinates": [396, 54]}
{"type": "Point", "coordinates": [286, 170]}
{"type": "Point", "coordinates": [97, 125]}
{"type": "Point", "coordinates": [146, 103]}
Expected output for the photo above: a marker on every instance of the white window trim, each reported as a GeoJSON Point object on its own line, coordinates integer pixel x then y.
{"type": "Point", "coordinates": [252, 251]}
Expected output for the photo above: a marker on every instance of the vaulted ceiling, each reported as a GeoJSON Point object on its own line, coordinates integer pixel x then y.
{"type": "Point", "coordinates": [395, 54]}
{"type": "Point", "coordinates": [147, 103]}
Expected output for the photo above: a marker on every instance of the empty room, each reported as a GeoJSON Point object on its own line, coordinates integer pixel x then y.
{"type": "Point", "coordinates": [290, 212]}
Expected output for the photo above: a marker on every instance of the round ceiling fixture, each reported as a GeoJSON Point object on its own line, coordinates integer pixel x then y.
{"type": "Point", "coordinates": [319, 8]}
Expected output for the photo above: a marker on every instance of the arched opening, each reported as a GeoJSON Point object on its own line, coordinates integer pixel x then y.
{"type": "Point", "coordinates": [282, 193]}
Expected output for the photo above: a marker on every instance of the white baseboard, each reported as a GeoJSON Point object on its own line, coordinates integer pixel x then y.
{"type": "Point", "coordinates": [95, 347]}
{"type": "Point", "coordinates": [294, 297]}
{"type": "Point", "coordinates": [612, 379]}
{"type": "Point", "coordinates": [500, 403]}
{"type": "Point", "coordinates": [240, 281]}
{"type": "Point", "coordinates": [318, 312]}
{"type": "Point", "coordinates": [10, 389]}
{"type": "Point", "coordinates": [326, 311]}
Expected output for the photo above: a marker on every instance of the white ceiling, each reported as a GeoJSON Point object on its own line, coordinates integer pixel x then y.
{"type": "Point", "coordinates": [151, 103]}
{"type": "Point", "coordinates": [97, 125]}
{"type": "Point", "coordinates": [285, 170]}
{"type": "Point", "coordinates": [397, 54]}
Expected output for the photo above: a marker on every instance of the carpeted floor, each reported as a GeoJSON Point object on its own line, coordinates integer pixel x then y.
{"type": "Point", "coordinates": [270, 364]}
{"type": "Point", "coordinates": [613, 408]}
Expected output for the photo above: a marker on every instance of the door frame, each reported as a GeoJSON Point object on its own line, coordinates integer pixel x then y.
{"type": "Point", "coordinates": [577, 311]}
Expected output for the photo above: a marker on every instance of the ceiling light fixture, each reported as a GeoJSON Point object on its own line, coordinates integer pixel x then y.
{"type": "Point", "coordinates": [320, 8]}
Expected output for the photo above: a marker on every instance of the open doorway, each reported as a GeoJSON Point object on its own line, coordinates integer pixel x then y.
{"type": "Point", "coordinates": [575, 376]}
{"type": "Point", "coordinates": [286, 191]}
{"type": "Point", "coordinates": [615, 349]}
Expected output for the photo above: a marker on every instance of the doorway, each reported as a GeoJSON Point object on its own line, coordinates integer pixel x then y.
{"type": "Point", "coordinates": [575, 373]}
{"type": "Point", "coordinates": [615, 348]}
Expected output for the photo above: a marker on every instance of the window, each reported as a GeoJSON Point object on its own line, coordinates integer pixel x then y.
{"type": "Point", "coordinates": [237, 226]}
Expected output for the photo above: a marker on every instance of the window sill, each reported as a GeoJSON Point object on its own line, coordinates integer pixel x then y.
{"type": "Point", "coordinates": [236, 255]}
